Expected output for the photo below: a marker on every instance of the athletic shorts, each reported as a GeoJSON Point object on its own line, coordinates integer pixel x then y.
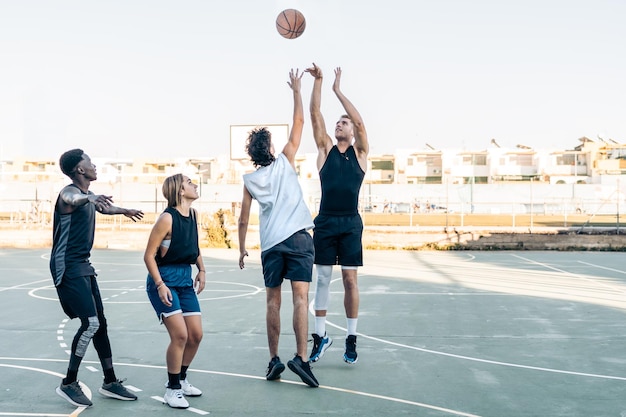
{"type": "Point", "coordinates": [184, 297]}
{"type": "Point", "coordinates": [291, 259]}
{"type": "Point", "coordinates": [80, 296]}
{"type": "Point", "coordinates": [338, 240]}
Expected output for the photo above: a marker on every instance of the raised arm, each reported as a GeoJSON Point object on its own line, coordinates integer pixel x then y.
{"type": "Point", "coordinates": [361, 144]}
{"type": "Point", "coordinates": [323, 142]}
{"type": "Point", "coordinates": [292, 145]}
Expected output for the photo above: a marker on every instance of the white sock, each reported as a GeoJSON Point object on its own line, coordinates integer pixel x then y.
{"type": "Point", "coordinates": [351, 324]}
{"type": "Point", "coordinates": [320, 326]}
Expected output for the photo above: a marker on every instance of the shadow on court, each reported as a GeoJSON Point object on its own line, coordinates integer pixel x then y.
{"type": "Point", "coordinates": [441, 334]}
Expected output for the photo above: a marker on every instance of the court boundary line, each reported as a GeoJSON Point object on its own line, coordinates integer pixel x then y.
{"type": "Point", "coordinates": [469, 358]}
{"type": "Point", "coordinates": [256, 377]}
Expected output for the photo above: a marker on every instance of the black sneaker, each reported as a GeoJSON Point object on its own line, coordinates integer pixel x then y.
{"type": "Point", "coordinates": [275, 368]}
{"type": "Point", "coordinates": [303, 370]}
{"type": "Point", "coordinates": [73, 393]}
{"type": "Point", "coordinates": [350, 356]}
{"type": "Point", "coordinates": [116, 390]}
{"type": "Point", "coordinates": [320, 344]}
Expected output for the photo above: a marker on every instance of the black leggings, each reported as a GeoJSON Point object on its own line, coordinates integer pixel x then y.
{"type": "Point", "coordinates": [91, 328]}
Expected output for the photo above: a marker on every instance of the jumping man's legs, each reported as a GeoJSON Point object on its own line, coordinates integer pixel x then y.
{"type": "Point", "coordinates": [272, 318]}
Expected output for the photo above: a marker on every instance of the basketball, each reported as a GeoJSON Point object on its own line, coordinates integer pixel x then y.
{"type": "Point", "coordinates": [290, 23]}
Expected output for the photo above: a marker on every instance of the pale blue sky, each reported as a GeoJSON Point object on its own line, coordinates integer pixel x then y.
{"type": "Point", "coordinates": [167, 78]}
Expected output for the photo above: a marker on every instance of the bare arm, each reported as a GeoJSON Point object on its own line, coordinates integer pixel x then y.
{"type": "Point", "coordinates": [323, 142]}
{"type": "Point", "coordinates": [161, 229]}
{"type": "Point", "coordinates": [361, 144]}
{"type": "Point", "coordinates": [242, 226]}
{"type": "Point", "coordinates": [132, 214]}
{"type": "Point", "coordinates": [291, 147]}
{"type": "Point", "coordinates": [200, 280]}
{"type": "Point", "coordinates": [73, 197]}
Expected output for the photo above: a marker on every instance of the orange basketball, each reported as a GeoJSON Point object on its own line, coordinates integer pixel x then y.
{"type": "Point", "coordinates": [290, 23]}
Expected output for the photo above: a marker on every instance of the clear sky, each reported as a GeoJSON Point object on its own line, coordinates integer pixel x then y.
{"type": "Point", "coordinates": [156, 78]}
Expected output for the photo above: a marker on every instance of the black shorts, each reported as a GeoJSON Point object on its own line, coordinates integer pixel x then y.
{"type": "Point", "coordinates": [80, 296]}
{"type": "Point", "coordinates": [338, 240]}
{"type": "Point", "coordinates": [291, 259]}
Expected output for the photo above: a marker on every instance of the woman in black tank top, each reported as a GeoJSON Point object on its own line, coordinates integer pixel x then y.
{"type": "Point", "coordinates": [172, 249]}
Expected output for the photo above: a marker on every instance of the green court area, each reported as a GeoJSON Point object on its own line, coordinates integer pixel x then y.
{"type": "Point", "coordinates": [487, 334]}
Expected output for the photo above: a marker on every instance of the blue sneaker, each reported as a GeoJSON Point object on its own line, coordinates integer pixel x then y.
{"type": "Point", "coordinates": [350, 356]}
{"type": "Point", "coordinates": [320, 344]}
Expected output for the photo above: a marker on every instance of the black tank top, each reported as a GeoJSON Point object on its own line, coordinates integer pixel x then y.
{"type": "Point", "coordinates": [184, 245]}
{"type": "Point", "coordinates": [341, 178]}
{"type": "Point", "coordinates": [72, 240]}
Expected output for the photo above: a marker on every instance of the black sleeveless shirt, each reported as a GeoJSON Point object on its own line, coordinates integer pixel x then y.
{"type": "Point", "coordinates": [72, 240]}
{"type": "Point", "coordinates": [184, 247]}
{"type": "Point", "coordinates": [341, 177]}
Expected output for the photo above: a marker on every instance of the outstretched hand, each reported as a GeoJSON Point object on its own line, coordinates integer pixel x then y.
{"type": "Point", "coordinates": [133, 214]}
{"type": "Point", "coordinates": [294, 79]}
{"type": "Point", "coordinates": [102, 202]}
{"type": "Point", "coordinates": [315, 71]}
{"type": "Point", "coordinates": [337, 79]}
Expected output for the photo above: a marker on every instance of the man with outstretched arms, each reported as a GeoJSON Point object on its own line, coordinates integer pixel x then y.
{"type": "Point", "coordinates": [75, 278]}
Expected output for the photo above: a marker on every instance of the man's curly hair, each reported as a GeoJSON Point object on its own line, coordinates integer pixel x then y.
{"type": "Point", "coordinates": [258, 147]}
{"type": "Point", "coordinates": [69, 160]}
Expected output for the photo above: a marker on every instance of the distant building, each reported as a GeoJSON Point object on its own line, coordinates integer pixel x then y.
{"type": "Point", "coordinates": [588, 163]}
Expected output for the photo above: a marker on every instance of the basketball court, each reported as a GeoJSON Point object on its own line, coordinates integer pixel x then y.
{"type": "Point", "coordinates": [441, 334]}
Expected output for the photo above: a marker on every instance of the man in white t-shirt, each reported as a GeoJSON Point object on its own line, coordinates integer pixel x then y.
{"type": "Point", "coordinates": [286, 244]}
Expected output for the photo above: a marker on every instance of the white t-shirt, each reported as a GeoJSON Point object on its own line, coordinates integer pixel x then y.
{"type": "Point", "coordinates": [282, 208]}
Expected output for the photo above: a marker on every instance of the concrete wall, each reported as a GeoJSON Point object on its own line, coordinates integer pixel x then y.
{"type": "Point", "coordinates": [373, 238]}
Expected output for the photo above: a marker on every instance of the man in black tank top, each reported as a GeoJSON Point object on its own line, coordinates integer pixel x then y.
{"type": "Point", "coordinates": [338, 226]}
{"type": "Point", "coordinates": [75, 278]}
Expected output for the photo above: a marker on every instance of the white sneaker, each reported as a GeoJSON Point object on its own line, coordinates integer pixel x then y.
{"type": "Point", "coordinates": [175, 398]}
{"type": "Point", "coordinates": [189, 390]}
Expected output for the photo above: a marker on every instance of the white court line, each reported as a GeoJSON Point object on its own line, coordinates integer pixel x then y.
{"type": "Point", "coordinates": [602, 267]}
{"type": "Point", "coordinates": [398, 400]}
{"type": "Point", "coordinates": [260, 378]}
{"type": "Point", "coordinates": [2, 413]}
{"type": "Point", "coordinates": [361, 393]}
{"type": "Point", "coordinates": [567, 273]}
{"type": "Point", "coordinates": [470, 358]}
{"type": "Point", "coordinates": [254, 290]}
{"type": "Point", "coordinates": [15, 287]}
{"type": "Point", "coordinates": [75, 413]}
{"type": "Point", "coordinates": [192, 409]}
{"type": "Point", "coordinates": [474, 359]}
